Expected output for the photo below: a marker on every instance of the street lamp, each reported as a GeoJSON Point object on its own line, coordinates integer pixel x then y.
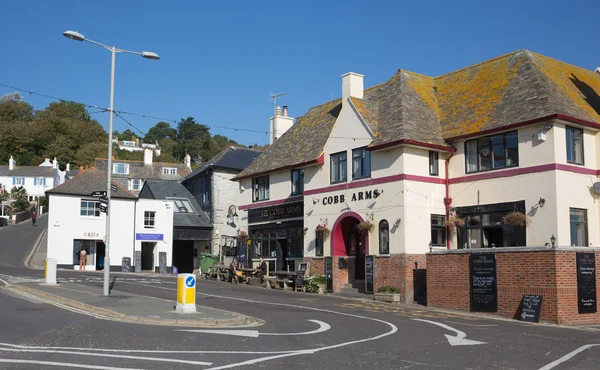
{"type": "Point", "coordinates": [74, 35]}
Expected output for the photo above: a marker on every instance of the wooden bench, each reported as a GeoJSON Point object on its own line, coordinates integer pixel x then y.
{"type": "Point", "coordinates": [274, 282]}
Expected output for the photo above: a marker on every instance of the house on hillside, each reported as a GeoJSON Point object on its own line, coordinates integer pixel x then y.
{"type": "Point", "coordinates": [35, 179]}
{"type": "Point", "coordinates": [136, 146]}
{"type": "Point", "coordinates": [498, 154]}
{"type": "Point", "coordinates": [191, 225]}
{"type": "Point", "coordinates": [141, 229]}
{"type": "Point", "coordinates": [218, 196]}
{"type": "Point", "coordinates": [131, 175]}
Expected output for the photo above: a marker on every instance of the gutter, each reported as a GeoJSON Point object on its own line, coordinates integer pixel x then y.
{"type": "Point", "coordinates": [447, 199]}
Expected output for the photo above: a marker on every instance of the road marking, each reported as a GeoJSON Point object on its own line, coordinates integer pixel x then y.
{"type": "Point", "coordinates": [474, 325]}
{"type": "Point", "coordinates": [81, 353]}
{"type": "Point", "coordinates": [459, 339]}
{"type": "Point", "coordinates": [568, 356]}
{"type": "Point", "coordinates": [323, 326]}
{"type": "Point", "coordinates": [35, 248]}
{"type": "Point", "coordinates": [63, 364]}
{"type": "Point", "coordinates": [5, 282]}
{"type": "Point", "coordinates": [393, 328]}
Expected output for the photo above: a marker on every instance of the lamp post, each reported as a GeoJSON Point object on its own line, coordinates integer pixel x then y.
{"type": "Point", "coordinates": [73, 35]}
{"type": "Point", "coordinates": [553, 240]}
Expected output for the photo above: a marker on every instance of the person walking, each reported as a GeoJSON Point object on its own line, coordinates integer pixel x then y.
{"type": "Point", "coordinates": [82, 259]}
{"type": "Point", "coordinates": [33, 217]}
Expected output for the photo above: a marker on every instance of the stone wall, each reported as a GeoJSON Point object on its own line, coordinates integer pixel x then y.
{"type": "Point", "coordinates": [551, 273]}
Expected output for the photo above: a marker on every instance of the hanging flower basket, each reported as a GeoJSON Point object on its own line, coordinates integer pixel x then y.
{"type": "Point", "coordinates": [516, 219]}
{"type": "Point", "coordinates": [242, 236]}
{"type": "Point", "coordinates": [365, 227]}
{"type": "Point", "coordinates": [454, 221]}
{"type": "Point", "coordinates": [322, 232]}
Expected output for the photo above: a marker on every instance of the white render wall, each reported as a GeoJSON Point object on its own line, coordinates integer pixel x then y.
{"type": "Point", "coordinates": [163, 224]}
{"type": "Point", "coordinates": [65, 224]}
{"type": "Point", "coordinates": [224, 194]}
{"type": "Point", "coordinates": [36, 190]}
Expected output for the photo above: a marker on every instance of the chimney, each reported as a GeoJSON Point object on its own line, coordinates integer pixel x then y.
{"type": "Point", "coordinates": [278, 111]}
{"type": "Point", "coordinates": [55, 163]}
{"type": "Point", "coordinates": [285, 111]}
{"type": "Point", "coordinates": [598, 70]}
{"type": "Point", "coordinates": [11, 163]}
{"type": "Point", "coordinates": [279, 124]}
{"type": "Point", "coordinates": [188, 161]}
{"type": "Point", "coordinates": [68, 167]}
{"type": "Point", "coordinates": [148, 157]}
{"type": "Point", "coordinates": [352, 85]}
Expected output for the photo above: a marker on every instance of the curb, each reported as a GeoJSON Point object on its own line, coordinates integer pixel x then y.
{"type": "Point", "coordinates": [241, 321]}
{"type": "Point", "coordinates": [35, 248]}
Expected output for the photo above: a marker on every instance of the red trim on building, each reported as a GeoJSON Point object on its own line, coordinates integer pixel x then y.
{"type": "Point", "coordinates": [271, 203]}
{"type": "Point", "coordinates": [410, 142]}
{"type": "Point", "coordinates": [524, 171]}
{"type": "Point", "coordinates": [319, 160]}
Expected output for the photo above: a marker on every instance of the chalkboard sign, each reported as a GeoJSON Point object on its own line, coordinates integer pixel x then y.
{"type": "Point", "coordinates": [299, 279]}
{"type": "Point", "coordinates": [329, 274]}
{"type": "Point", "coordinates": [484, 286]}
{"type": "Point", "coordinates": [125, 264]}
{"type": "Point", "coordinates": [531, 306]}
{"type": "Point", "coordinates": [369, 274]}
{"type": "Point", "coordinates": [586, 282]}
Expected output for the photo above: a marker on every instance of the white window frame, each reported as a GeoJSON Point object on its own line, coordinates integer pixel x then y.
{"type": "Point", "coordinates": [169, 171]}
{"type": "Point", "coordinates": [125, 168]}
{"type": "Point", "coordinates": [87, 209]}
{"type": "Point", "coordinates": [149, 219]}
{"type": "Point", "coordinates": [19, 181]}
{"type": "Point", "coordinates": [261, 188]}
{"type": "Point", "coordinates": [133, 181]}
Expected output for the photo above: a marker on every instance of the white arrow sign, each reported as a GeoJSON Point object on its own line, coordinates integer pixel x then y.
{"type": "Point", "coordinates": [459, 339]}
{"type": "Point", "coordinates": [323, 326]}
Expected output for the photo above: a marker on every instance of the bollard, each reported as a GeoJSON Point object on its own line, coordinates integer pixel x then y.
{"type": "Point", "coordinates": [186, 293]}
{"type": "Point", "coordinates": [50, 271]}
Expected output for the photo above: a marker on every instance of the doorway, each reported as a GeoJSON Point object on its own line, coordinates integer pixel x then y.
{"type": "Point", "coordinates": [148, 256]}
{"type": "Point", "coordinates": [183, 256]}
{"type": "Point", "coordinates": [347, 241]}
{"type": "Point", "coordinates": [100, 253]}
{"type": "Point", "coordinates": [356, 248]}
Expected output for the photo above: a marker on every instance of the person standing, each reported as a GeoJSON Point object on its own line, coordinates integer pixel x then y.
{"type": "Point", "coordinates": [33, 217]}
{"type": "Point", "coordinates": [82, 259]}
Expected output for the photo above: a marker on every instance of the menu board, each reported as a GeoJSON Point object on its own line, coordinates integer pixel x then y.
{"type": "Point", "coordinates": [329, 274]}
{"type": "Point", "coordinates": [484, 286]}
{"type": "Point", "coordinates": [586, 282]}
{"type": "Point", "coordinates": [369, 274]}
{"type": "Point", "coordinates": [531, 306]}
{"type": "Point", "coordinates": [299, 279]}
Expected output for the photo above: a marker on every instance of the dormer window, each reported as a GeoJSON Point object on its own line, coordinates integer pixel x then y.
{"type": "Point", "coordinates": [169, 171]}
{"type": "Point", "coordinates": [121, 168]}
{"type": "Point", "coordinates": [182, 205]}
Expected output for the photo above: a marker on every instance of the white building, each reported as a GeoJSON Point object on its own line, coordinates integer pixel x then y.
{"type": "Point", "coordinates": [516, 135]}
{"type": "Point", "coordinates": [136, 146]}
{"type": "Point", "coordinates": [35, 179]}
{"type": "Point", "coordinates": [141, 230]}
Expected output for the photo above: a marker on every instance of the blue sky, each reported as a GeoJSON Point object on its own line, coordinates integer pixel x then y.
{"type": "Point", "coordinates": [221, 59]}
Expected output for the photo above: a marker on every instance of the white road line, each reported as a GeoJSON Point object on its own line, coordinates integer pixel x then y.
{"type": "Point", "coordinates": [82, 353]}
{"type": "Point", "coordinates": [459, 340]}
{"type": "Point", "coordinates": [393, 327]}
{"type": "Point", "coordinates": [323, 326]}
{"type": "Point", "coordinates": [568, 356]}
{"type": "Point", "coordinates": [62, 364]}
{"type": "Point", "coordinates": [5, 282]}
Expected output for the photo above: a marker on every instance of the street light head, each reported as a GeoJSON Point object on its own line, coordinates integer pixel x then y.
{"type": "Point", "coordinates": [74, 35]}
{"type": "Point", "coordinates": [150, 55]}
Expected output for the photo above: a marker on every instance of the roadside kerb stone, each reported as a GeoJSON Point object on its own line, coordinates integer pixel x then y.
{"type": "Point", "coordinates": [239, 321]}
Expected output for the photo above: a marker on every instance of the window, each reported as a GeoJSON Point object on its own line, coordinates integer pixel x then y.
{"type": "Point", "coordinates": [384, 237]}
{"type": "Point", "coordinates": [128, 143]}
{"type": "Point", "coordinates": [574, 145]}
{"type": "Point", "coordinates": [121, 168]}
{"type": "Point", "coordinates": [438, 231]}
{"type": "Point", "coordinates": [579, 231]}
{"type": "Point", "coordinates": [149, 219]}
{"type": "Point", "coordinates": [90, 208]}
{"type": "Point", "coordinates": [18, 181]}
{"type": "Point", "coordinates": [319, 244]}
{"type": "Point", "coordinates": [169, 171]}
{"type": "Point", "coordinates": [492, 152]}
{"type": "Point", "coordinates": [338, 167]}
{"type": "Point", "coordinates": [136, 184]}
{"type": "Point", "coordinates": [182, 205]}
{"type": "Point", "coordinates": [261, 188]}
{"type": "Point", "coordinates": [206, 190]}
{"type": "Point", "coordinates": [361, 163]}
{"type": "Point", "coordinates": [434, 167]}
{"type": "Point", "coordinates": [297, 182]}
{"type": "Point", "coordinates": [39, 181]}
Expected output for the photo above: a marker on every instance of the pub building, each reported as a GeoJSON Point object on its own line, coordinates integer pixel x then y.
{"type": "Point", "coordinates": [419, 164]}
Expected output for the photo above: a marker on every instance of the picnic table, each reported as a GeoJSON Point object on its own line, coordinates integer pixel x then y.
{"type": "Point", "coordinates": [219, 270]}
{"type": "Point", "coordinates": [284, 277]}
{"type": "Point", "coordinates": [247, 273]}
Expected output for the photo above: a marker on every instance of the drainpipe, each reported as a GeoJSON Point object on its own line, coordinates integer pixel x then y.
{"type": "Point", "coordinates": [447, 199]}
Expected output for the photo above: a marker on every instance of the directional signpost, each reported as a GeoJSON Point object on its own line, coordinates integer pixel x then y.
{"type": "Point", "coordinates": [113, 187]}
{"type": "Point", "coordinates": [99, 193]}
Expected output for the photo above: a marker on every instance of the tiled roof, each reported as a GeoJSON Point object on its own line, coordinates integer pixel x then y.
{"type": "Point", "coordinates": [156, 189]}
{"type": "Point", "coordinates": [87, 182]}
{"type": "Point", "coordinates": [138, 170]}
{"type": "Point", "coordinates": [231, 158]}
{"type": "Point", "coordinates": [3, 170]}
{"type": "Point", "coordinates": [32, 171]}
{"type": "Point", "coordinates": [412, 108]}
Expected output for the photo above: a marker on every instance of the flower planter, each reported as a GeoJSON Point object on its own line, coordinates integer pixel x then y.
{"type": "Point", "coordinates": [322, 289]}
{"type": "Point", "coordinates": [387, 297]}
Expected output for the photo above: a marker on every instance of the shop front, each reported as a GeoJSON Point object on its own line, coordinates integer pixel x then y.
{"type": "Point", "coordinates": [277, 235]}
{"type": "Point", "coordinates": [94, 248]}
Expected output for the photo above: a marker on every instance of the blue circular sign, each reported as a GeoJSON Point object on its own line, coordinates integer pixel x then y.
{"type": "Point", "coordinates": [190, 281]}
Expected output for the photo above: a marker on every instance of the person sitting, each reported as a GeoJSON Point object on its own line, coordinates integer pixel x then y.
{"type": "Point", "coordinates": [233, 271]}
{"type": "Point", "coordinates": [262, 269]}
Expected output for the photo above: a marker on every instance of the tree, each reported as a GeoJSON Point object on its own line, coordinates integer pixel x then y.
{"type": "Point", "coordinates": [160, 131]}
{"type": "Point", "coordinates": [19, 197]}
{"type": "Point", "coordinates": [191, 138]}
{"type": "Point", "coordinates": [14, 108]}
{"type": "Point", "coordinates": [87, 154]}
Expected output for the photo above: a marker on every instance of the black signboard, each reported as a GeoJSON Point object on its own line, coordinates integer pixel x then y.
{"type": "Point", "coordinates": [99, 193]}
{"type": "Point", "coordinates": [531, 306]}
{"type": "Point", "coordinates": [299, 279]}
{"type": "Point", "coordinates": [126, 264]}
{"type": "Point", "coordinates": [329, 274]}
{"type": "Point", "coordinates": [288, 210]}
{"type": "Point", "coordinates": [369, 274]}
{"type": "Point", "coordinates": [103, 208]}
{"type": "Point", "coordinates": [586, 282]}
{"type": "Point", "coordinates": [113, 187]}
{"type": "Point", "coordinates": [484, 286]}
{"type": "Point", "coordinates": [103, 200]}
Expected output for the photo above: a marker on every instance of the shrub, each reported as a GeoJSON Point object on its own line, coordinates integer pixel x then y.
{"type": "Point", "coordinates": [389, 289]}
{"type": "Point", "coordinates": [313, 282]}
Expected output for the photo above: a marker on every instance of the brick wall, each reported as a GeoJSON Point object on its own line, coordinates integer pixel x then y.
{"type": "Point", "coordinates": [551, 273]}
{"type": "Point", "coordinates": [397, 270]}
